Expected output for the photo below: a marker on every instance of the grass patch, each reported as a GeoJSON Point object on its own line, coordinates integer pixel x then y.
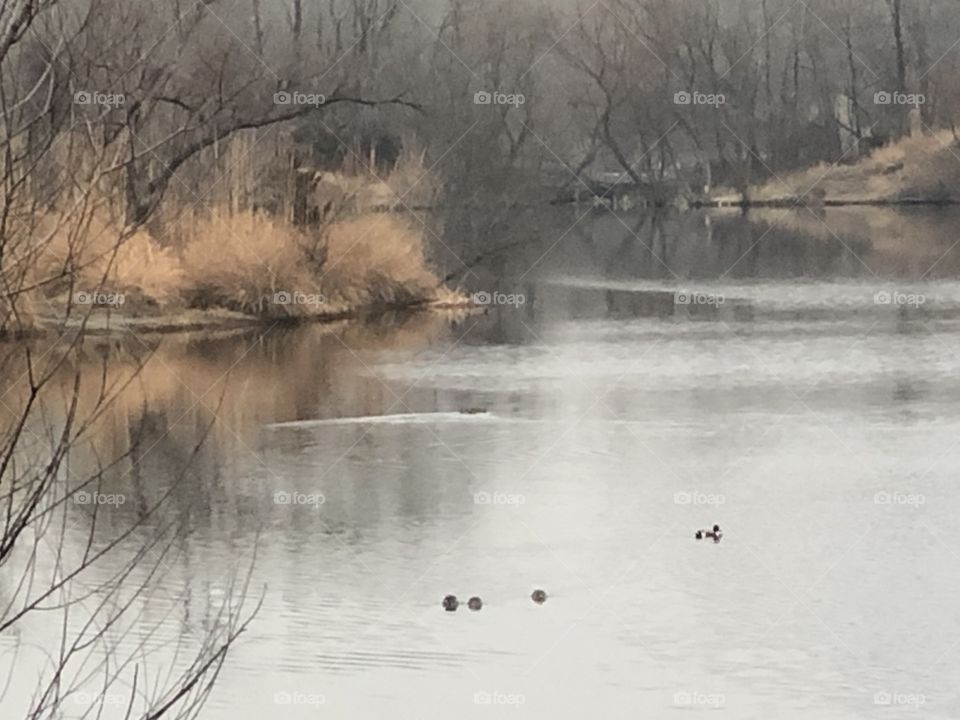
{"type": "Point", "coordinates": [242, 262]}
{"type": "Point", "coordinates": [917, 168]}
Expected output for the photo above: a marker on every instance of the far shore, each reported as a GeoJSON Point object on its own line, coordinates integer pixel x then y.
{"type": "Point", "coordinates": [801, 202]}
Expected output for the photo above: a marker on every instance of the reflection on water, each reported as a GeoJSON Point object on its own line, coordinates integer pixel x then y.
{"type": "Point", "coordinates": [796, 412]}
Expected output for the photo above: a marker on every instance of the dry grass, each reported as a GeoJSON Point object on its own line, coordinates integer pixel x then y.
{"type": "Point", "coordinates": [154, 271]}
{"type": "Point", "coordinates": [61, 257]}
{"type": "Point", "coordinates": [245, 262]}
{"type": "Point", "coordinates": [95, 253]}
{"type": "Point", "coordinates": [254, 264]}
{"type": "Point", "coordinates": [376, 261]}
{"type": "Point", "coordinates": [240, 262]}
{"type": "Point", "coordinates": [926, 167]}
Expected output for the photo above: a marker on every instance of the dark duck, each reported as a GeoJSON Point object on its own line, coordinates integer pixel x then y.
{"type": "Point", "coordinates": [714, 534]}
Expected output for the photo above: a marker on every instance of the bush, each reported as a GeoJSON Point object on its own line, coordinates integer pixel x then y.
{"type": "Point", "coordinates": [245, 262]}
{"type": "Point", "coordinates": [240, 262]}
{"type": "Point", "coordinates": [376, 261]}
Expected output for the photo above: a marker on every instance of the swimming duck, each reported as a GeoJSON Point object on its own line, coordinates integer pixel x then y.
{"type": "Point", "coordinates": [714, 534]}
{"type": "Point", "coordinates": [474, 603]}
{"type": "Point", "coordinates": [538, 596]}
{"type": "Point", "coordinates": [450, 603]}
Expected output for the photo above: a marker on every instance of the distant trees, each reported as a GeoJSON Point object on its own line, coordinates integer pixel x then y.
{"type": "Point", "coordinates": [796, 79]}
{"type": "Point", "coordinates": [158, 90]}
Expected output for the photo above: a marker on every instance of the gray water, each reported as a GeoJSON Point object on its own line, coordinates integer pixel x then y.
{"type": "Point", "coordinates": [816, 423]}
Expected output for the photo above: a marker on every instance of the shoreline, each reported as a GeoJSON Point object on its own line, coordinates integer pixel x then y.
{"type": "Point", "coordinates": [796, 202]}
{"type": "Point", "coordinates": [114, 324]}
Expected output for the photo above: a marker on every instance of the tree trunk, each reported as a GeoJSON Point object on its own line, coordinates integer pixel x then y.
{"type": "Point", "coordinates": [896, 19]}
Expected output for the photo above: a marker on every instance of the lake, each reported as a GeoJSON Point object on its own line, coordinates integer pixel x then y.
{"type": "Point", "coordinates": [791, 377]}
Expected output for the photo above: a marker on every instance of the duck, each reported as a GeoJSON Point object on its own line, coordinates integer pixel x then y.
{"type": "Point", "coordinates": [475, 603]}
{"type": "Point", "coordinates": [450, 603]}
{"type": "Point", "coordinates": [539, 596]}
{"type": "Point", "coordinates": [714, 534]}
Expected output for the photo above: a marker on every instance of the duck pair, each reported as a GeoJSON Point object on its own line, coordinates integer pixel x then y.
{"type": "Point", "coordinates": [714, 534]}
{"type": "Point", "coordinates": [450, 603]}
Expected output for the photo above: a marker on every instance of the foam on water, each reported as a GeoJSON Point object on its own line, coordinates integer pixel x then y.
{"type": "Point", "coordinates": [394, 419]}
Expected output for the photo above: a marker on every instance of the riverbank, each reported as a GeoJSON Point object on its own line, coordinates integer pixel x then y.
{"type": "Point", "coordinates": [232, 271]}
{"type": "Point", "coordinates": [914, 171]}
{"type": "Point", "coordinates": [117, 322]}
